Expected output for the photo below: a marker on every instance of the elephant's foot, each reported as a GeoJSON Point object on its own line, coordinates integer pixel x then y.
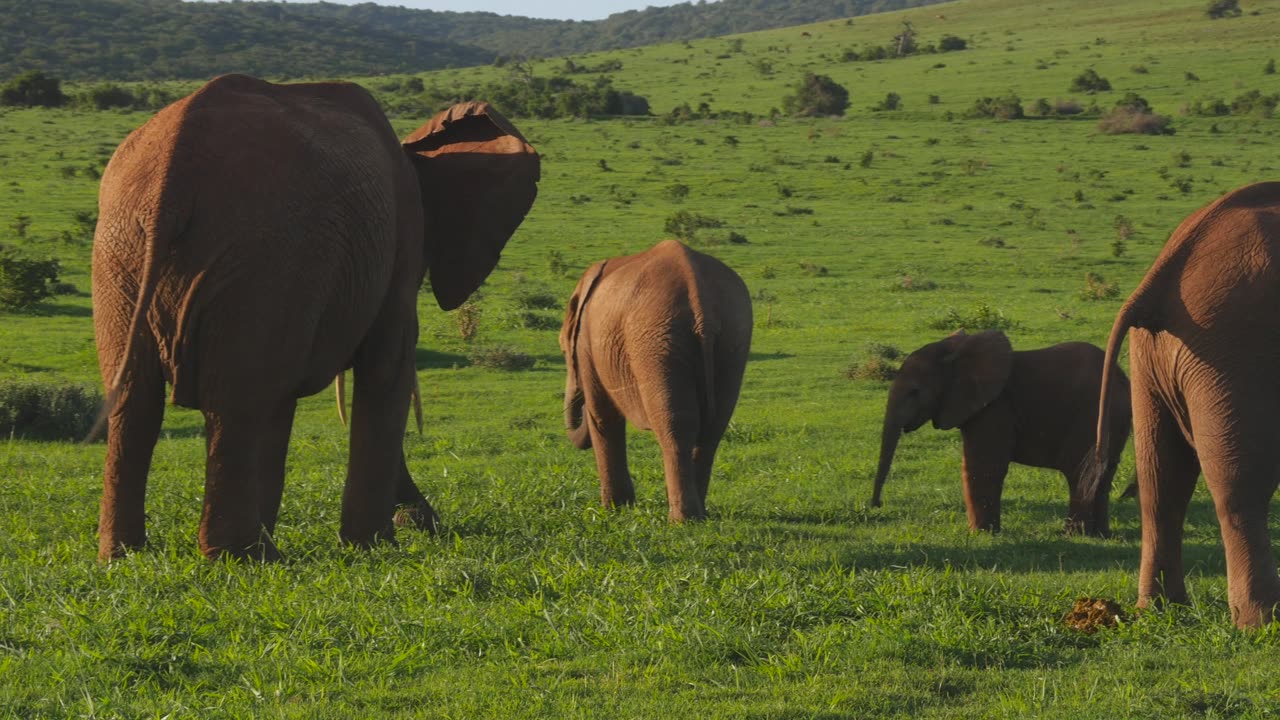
{"type": "Point", "coordinates": [420, 516]}
{"type": "Point", "coordinates": [1255, 613]}
{"type": "Point", "coordinates": [687, 514]}
{"type": "Point", "coordinates": [262, 550]}
{"type": "Point", "coordinates": [368, 537]}
{"type": "Point", "coordinates": [1079, 526]}
{"type": "Point", "coordinates": [111, 547]}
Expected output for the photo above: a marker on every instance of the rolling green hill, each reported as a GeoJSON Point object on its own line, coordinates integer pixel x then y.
{"type": "Point", "coordinates": [879, 228]}
{"type": "Point", "coordinates": [162, 39]}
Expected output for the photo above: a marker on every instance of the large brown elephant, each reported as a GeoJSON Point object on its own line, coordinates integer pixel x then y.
{"type": "Point", "coordinates": [254, 241]}
{"type": "Point", "coordinates": [659, 338]}
{"type": "Point", "coordinates": [1033, 407]}
{"type": "Point", "coordinates": [1203, 350]}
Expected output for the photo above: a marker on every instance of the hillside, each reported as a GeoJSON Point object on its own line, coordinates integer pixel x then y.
{"type": "Point", "coordinates": [159, 39]}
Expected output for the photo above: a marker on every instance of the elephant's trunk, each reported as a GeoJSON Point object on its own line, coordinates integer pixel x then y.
{"type": "Point", "coordinates": [888, 445]}
{"type": "Point", "coordinates": [574, 414]}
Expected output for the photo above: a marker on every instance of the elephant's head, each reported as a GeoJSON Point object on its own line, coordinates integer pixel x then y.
{"type": "Point", "coordinates": [478, 177]}
{"type": "Point", "coordinates": [947, 382]}
{"type": "Point", "coordinates": [575, 417]}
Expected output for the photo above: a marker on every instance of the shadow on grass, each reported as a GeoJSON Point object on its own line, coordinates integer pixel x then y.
{"type": "Point", "coordinates": [48, 309]}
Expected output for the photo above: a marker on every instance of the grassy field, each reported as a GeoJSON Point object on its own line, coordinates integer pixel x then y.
{"type": "Point", "coordinates": [796, 600]}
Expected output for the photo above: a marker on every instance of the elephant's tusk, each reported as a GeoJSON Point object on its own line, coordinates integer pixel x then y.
{"type": "Point", "coordinates": [417, 402]}
{"type": "Point", "coordinates": [339, 386]}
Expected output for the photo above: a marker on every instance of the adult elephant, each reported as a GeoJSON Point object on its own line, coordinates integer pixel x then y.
{"type": "Point", "coordinates": [1033, 407]}
{"type": "Point", "coordinates": [1202, 352]}
{"type": "Point", "coordinates": [254, 240]}
{"type": "Point", "coordinates": [659, 338]}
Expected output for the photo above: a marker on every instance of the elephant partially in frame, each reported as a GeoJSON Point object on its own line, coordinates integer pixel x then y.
{"type": "Point", "coordinates": [254, 240]}
{"type": "Point", "coordinates": [660, 339]}
{"type": "Point", "coordinates": [1032, 407]}
{"type": "Point", "coordinates": [1204, 343]}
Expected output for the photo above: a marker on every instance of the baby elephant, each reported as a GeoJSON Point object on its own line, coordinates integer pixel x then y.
{"type": "Point", "coordinates": [659, 338]}
{"type": "Point", "coordinates": [1034, 407]}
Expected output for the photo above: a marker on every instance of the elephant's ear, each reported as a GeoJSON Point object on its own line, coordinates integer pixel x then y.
{"type": "Point", "coordinates": [573, 311]}
{"type": "Point", "coordinates": [478, 178]}
{"type": "Point", "coordinates": [976, 368]}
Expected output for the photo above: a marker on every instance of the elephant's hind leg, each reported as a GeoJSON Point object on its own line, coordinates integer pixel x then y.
{"type": "Point", "coordinates": [1167, 472]}
{"type": "Point", "coordinates": [133, 428]}
{"type": "Point", "coordinates": [236, 485]}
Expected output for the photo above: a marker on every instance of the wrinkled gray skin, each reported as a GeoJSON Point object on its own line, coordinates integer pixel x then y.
{"type": "Point", "coordinates": [1204, 337]}
{"type": "Point", "coordinates": [1031, 407]}
{"type": "Point", "coordinates": [659, 339]}
{"type": "Point", "coordinates": [254, 241]}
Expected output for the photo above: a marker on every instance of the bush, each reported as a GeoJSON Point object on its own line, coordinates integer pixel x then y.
{"type": "Point", "coordinates": [817, 95]}
{"type": "Point", "coordinates": [1008, 107]}
{"type": "Point", "coordinates": [683, 225]}
{"type": "Point", "coordinates": [25, 282]}
{"type": "Point", "coordinates": [1090, 82]}
{"type": "Point", "coordinates": [881, 364]}
{"type": "Point", "coordinates": [532, 298]}
{"type": "Point", "coordinates": [892, 101]}
{"type": "Point", "coordinates": [500, 357]}
{"type": "Point", "coordinates": [948, 43]}
{"type": "Point", "coordinates": [1122, 120]}
{"type": "Point", "coordinates": [1255, 103]}
{"type": "Point", "coordinates": [1219, 9]}
{"type": "Point", "coordinates": [44, 411]}
{"type": "Point", "coordinates": [1097, 288]}
{"type": "Point", "coordinates": [983, 317]}
{"type": "Point", "coordinates": [33, 89]}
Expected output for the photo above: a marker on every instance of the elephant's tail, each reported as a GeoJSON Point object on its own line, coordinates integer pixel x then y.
{"type": "Point", "coordinates": [708, 342]}
{"type": "Point", "coordinates": [1095, 465]}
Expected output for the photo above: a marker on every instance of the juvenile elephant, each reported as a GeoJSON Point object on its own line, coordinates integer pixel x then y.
{"type": "Point", "coordinates": [659, 338]}
{"type": "Point", "coordinates": [254, 241]}
{"type": "Point", "coordinates": [1033, 407]}
{"type": "Point", "coordinates": [1203, 350]}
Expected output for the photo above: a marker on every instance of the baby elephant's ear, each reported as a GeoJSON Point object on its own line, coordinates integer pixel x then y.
{"type": "Point", "coordinates": [478, 177]}
{"type": "Point", "coordinates": [977, 368]}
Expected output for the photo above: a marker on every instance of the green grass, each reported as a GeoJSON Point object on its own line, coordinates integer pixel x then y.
{"type": "Point", "coordinates": [795, 600]}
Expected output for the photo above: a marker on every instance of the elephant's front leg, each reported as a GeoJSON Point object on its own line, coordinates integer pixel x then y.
{"type": "Point", "coordinates": [412, 507]}
{"type": "Point", "coordinates": [988, 448]}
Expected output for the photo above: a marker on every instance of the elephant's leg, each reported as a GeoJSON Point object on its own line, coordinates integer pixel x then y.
{"type": "Point", "coordinates": [704, 456]}
{"type": "Point", "coordinates": [232, 523]}
{"type": "Point", "coordinates": [133, 428]}
{"type": "Point", "coordinates": [609, 443]}
{"type": "Point", "coordinates": [384, 379]}
{"type": "Point", "coordinates": [1089, 516]}
{"type": "Point", "coordinates": [684, 493]}
{"type": "Point", "coordinates": [1242, 479]}
{"type": "Point", "coordinates": [987, 452]}
{"type": "Point", "coordinates": [273, 449]}
{"type": "Point", "coordinates": [1167, 471]}
{"type": "Point", "coordinates": [412, 508]}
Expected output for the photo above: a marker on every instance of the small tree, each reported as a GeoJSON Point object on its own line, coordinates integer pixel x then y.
{"type": "Point", "coordinates": [25, 282]}
{"type": "Point", "coordinates": [1223, 9]}
{"type": "Point", "coordinates": [817, 95]}
{"type": "Point", "coordinates": [33, 89]}
{"type": "Point", "coordinates": [1090, 81]}
{"type": "Point", "coordinates": [905, 41]}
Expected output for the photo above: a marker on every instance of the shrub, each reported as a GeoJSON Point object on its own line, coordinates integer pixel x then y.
{"type": "Point", "coordinates": [881, 363]}
{"type": "Point", "coordinates": [676, 192]}
{"type": "Point", "coordinates": [23, 281]}
{"type": "Point", "coordinates": [1067, 107]}
{"type": "Point", "coordinates": [817, 95]}
{"type": "Point", "coordinates": [534, 298]}
{"type": "Point", "coordinates": [1097, 288]}
{"type": "Point", "coordinates": [44, 411]}
{"type": "Point", "coordinates": [814, 269]}
{"type": "Point", "coordinates": [556, 264]}
{"type": "Point", "coordinates": [500, 357]}
{"type": "Point", "coordinates": [468, 315]}
{"type": "Point", "coordinates": [1219, 9]}
{"type": "Point", "coordinates": [1090, 82]}
{"type": "Point", "coordinates": [1255, 103]}
{"type": "Point", "coordinates": [1269, 68]}
{"type": "Point", "coordinates": [982, 317]}
{"type": "Point", "coordinates": [892, 101]}
{"type": "Point", "coordinates": [949, 43]}
{"type": "Point", "coordinates": [684, 224]}
{"type": "Point", "coordinates": [33, 89]}
{"type": "Point", "coordinates": [1008, 107]}
{"type": "Point", "coordinates": [907, 283]}
{"type": "Point", "coordinates": [1122, 120]}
